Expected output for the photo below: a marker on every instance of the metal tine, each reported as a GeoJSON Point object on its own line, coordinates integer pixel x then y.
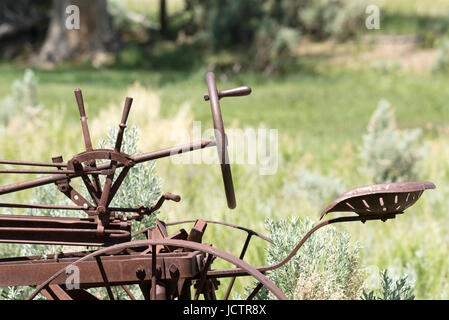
{"type": "Point", "coordinates": [32, 163]}
{"type": "Point", "coordinates": [122, 125]}
{"type": "Point", "coordinates": [85, 128]}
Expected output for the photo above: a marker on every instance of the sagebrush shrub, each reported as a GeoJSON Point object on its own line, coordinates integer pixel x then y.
{"type": "Point", "coordinates": [389, 154]}
{"type": "Point", "coordinates": [315, 187]}
{"type": "Point", "coordinates": [326, 267]}
{"type": "Point", "coordinates": [391, 289]}
{"type": "Point", "coordinates": [23, 96]}
{"type": "Point", "coordinates": [441, 64]}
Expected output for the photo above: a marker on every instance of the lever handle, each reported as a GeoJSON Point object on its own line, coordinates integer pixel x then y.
{"type": "Point", "coordinates": [122, 126]}
{"type": "Point", "coordinates": [126, 109]}
{"type": "Point", "coordinates": [172, 197]}
{"type": "Point", "coordinates": [80, 102]}
{"type": "Point", "coordinates": [84, 126]}
{"type": "Point", "coordinates": [234, 92]}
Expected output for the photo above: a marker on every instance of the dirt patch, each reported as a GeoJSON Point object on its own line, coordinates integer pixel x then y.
{"type": "Point", "coordinates": [402, 53]}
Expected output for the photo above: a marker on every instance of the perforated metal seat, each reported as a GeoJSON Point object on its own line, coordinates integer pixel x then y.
{"type": "Point", "coordinates": [379, 198]}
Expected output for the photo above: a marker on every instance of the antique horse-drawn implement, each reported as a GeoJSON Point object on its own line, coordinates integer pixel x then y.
{"type": "Point", "coordinates": [163, 266]}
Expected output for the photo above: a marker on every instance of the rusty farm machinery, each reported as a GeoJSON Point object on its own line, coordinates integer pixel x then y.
{"type": "Point", "coordinates": [163, 266]}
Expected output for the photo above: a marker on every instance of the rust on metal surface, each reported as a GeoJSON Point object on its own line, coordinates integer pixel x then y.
{"type": "Point", "coordinates": [167, 265]}
{"type": "Point", "coordinates": [379, 198]}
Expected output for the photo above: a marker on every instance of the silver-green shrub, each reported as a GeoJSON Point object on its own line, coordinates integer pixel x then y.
{"type": "Point", "coordinates": [391, 289]}
{"type": "Point", "coordinates": [23, 95]}
{"type": "Point", "coordinates": [326, 267]}
{"type": "Point", "coordinates": [317, 188]}
{"type": "Point", "coordinates": [441, 63]}
{"type": "Point", "coordinates": [389, 154]}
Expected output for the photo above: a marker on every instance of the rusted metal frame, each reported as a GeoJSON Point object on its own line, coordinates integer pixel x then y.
{"type": "Point", "coordinates": [87, 182]}
{"type": "Point", "coordinates": [137, 159]}
{"type": "Point", "coordinates": [118, 182]}
{"type": "Point", "coordinates": [91, 189]}
{"type": "Point", "coordinates": [65, 188]}
{"type": "Point", "coordinates": [203, 277]}
{"type": "Point", "coordinates": [84, 126]}
{"type": "Point", "coordinates": [64, 236]}
{"type": "Point", "coordinates": [207, 143]}
{"type": "Point", "coordinates": [80, 294]}
{"type": "Point", "coordinates": [240, 272]}
{"type": "Point", "coordinates": [105, 196]}
{"type": "Point", "coordinates": [76, 197]}
{"type": "Point", "coordinates": [259, 235]}
{"type": "Point", "coordinates": [32, 163]}
{"type": "Point", "coordinates": [145, 288]}
{"type": "Point", "coordinates": [122, 125]}
{"type": "Point", "coordinates": [50, 230]}
{"type": "Point", "coordinates": [147, 211]}
{"type": "Point", "coordinates": [105, 278]}
{"type": "Point", "coordinates": [242, 255]}
{"type": "Point", "coordinates": [60, 293]}
{"type": "Point", "coordinates": [177, 243]}
{"type": "Point", "coordinates": [62, 207]}
{"type": "Point", "coordinates": [117, 147]}
{"type": "Point", "coordinates": [26, 171]}
{"type": "Point", "coordinates": [220, 138]}
{"type": "Point", "coordinates": [42, 206]}
{"type": "Point", "coordinates": [197, 232]}
{"type": "Point", "coordinates": [128, 292]}
{"type": "Point", "coordinates": [255, 291]}
{"type": "Point", "coordinates": [234, 92]}
{"type": "Point", "coordinates": [153, 272]}
{"type": "Point", "coordinates": [55, 292]}
{"type": "Point", "coordinates": [120, 270]}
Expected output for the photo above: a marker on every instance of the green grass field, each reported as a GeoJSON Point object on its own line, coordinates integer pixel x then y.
{"type": "Point", "coordinates": [321, 113]}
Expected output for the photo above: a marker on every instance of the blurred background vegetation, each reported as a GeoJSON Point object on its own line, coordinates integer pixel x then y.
{"type": "Point", "coordinates": [353, 106]}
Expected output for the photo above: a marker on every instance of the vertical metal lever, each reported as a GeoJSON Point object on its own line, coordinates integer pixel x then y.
{"type": "Point", "coordinates": [80, 102]}
{"type": "Point", "coordinates": [122, 125]}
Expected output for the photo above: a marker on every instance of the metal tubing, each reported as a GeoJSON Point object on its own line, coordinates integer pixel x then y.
{"type": "Point", "coordinates": [240, 272]}
{"type": "Point", "coordinates": [242, 255]}
{"type": "Point", "coordinates": [85, 128]}
{"type": "Point", "coordinates": [137, 159]}
{"type": "Point", "coordinates": [32, 163]}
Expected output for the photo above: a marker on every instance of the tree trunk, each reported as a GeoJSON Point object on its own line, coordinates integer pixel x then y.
{"type": "Point", "coordinates": [163, 16]}
{"type": "Point", "coordinates": [94, 36]}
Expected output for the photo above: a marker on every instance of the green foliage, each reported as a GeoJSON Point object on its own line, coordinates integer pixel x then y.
{"type": "Point", "coordinates": [271, 28]}
{"type": "Point", "coordinates": [340, 19]}
{"type": "Point", "coordinates": [441, 64]}
{"type": "Point", "coordinates": [22, 97]}
{"type": "Point", "coordinates": [317, 188]}
{"type": "Point", "coordinates": [399, 289]}
{"type": "Point", "coordinates": [227, 22]}
{"type": "Point", "coordinates": [273, 46]}
{"type": "Point", "coordinates": [232, 21]}
{"type": "Point", "coordinates": [391, 155]}
{"type": "Point", "coordinates": [326, 267]}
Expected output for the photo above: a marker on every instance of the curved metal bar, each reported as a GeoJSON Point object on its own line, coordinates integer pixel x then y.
{"type": "Point", "coordinates": [249, 231]}
{"type": "Point", "coordinates": [220, 139]}
{"type": "Point", "coordinates": [176, 243]}
{"type": "Point", "coordinates": [239, 272]}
